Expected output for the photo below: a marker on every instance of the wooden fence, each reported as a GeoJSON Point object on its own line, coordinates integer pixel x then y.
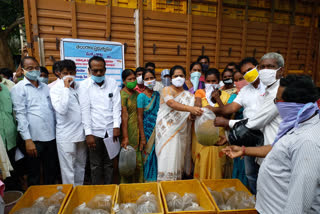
{"type": "Point", "coordinates": [168, 39]}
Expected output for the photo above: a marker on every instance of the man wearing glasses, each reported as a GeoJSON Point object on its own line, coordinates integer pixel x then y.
{"type": "Point", "coordinates": [36, 123]}
{"type": "Point", "coordinates": [100, 104]}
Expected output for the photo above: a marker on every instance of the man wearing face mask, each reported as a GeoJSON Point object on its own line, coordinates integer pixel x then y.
{"type": "Point", "coordinates": [100, 104]}
{"type": "Point", "coordinates": [249, 98]}
{"type": "Point", "coordinates": [70, 136]}
{"type": "Point", "coordinates": [289, 176]}
{"type": "Point", "coordinates": [205, 63]}
{"type": "Point", "coordinates": [165, 81]}
{"type": "Point", "coordinates": [140, 86]}
{"type": "Point", "coordinates": [266, 117]}
{"type": "Point", "coordinates": [44, 75]}
{"type": "Point", "coordinates": [36, 123]}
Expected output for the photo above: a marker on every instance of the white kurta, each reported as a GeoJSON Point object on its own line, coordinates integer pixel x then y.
{"type": "Point", "coordinates": [69, 133]}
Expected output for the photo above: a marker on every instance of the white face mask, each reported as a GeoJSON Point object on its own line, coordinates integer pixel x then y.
{"type": "Point", "coordinates": [69, 76]}
{"type": "Point", "coordinates": [213, 86]}
{"type": "Point", "coordinates": [178, 81]}
{"type": "Point", "coordinates": [268, 76]}
{"type": "Point", "coordinates": [150, 84]}
{"type": "Point", "coordinates": [139, 80]}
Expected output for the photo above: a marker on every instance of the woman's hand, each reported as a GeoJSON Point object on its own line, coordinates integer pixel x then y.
{"type": "Point", "coordinates": [124, 142]}
{"type": "Point", "coordinates": [222, 141]}
{"type": "Point", "coordinates": [143, 142]}
{"type": "Point", "coordinates": [197, 111]}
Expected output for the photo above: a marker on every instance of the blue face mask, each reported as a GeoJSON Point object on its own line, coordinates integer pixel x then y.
{"type": "Point", "coordinates": [195, 76]}
{"type": "Point", "coordinates": [32, 75]}
{"type": "Point", "coordinates": [292, 114]}
{"type": "Point", "coordinates": [98, 79]}
{"type": "Point", "coordinates": [44, 80]}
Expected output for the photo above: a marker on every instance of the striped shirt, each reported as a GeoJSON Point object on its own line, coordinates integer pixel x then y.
{"type": "Point", "coordinates": [289, 177]}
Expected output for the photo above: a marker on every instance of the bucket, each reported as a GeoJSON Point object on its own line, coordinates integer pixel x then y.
{"type": "Point", "coordinates": [10, 198]}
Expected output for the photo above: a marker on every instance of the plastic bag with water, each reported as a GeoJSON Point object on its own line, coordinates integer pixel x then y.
{"type": "Point", "coordinates": [174, 201]}
{"type": "Point", "coordinates": [127, 161]}
{"type": "Point", "coordinates": [207, 134]}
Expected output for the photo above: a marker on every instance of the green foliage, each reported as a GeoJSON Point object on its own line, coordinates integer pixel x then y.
{"type": "Point", "coordinates": [10, 11]}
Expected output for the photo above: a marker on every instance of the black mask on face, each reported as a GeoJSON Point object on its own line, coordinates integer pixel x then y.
{"type": "Point", "coordinates": [205, 67]}
{"type": "Point", "coordinates": [228, 81]}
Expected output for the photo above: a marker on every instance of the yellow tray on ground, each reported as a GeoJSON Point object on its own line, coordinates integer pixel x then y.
{"type": "Point", "coordinates": [187, 186]}
{"type": "Point", "coordinates": [85, 193]}
{"type": "Point", "coordinates": [34, 192]}
{"type": "Point", "coordinates": [129, 193]}
{"type": "Point", "coordinates": [218, 185]}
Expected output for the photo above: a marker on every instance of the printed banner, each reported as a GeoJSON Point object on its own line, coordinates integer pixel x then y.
{"type": "Point", "coordinates": [81, 50]}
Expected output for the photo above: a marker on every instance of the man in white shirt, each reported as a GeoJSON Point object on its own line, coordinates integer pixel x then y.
{"type": "Point", "coordinates": [249, 99]}
{"type": "Point", "coordinates": [36, 123]}
{"type": "Point", "coordinates": [70, 137]}
{"type": "Point", "coordinates": [266, 118]}
{"type": "Point", "coordinates": [289, 175]}
{"type": "Point", "coordinates": [100, 103]}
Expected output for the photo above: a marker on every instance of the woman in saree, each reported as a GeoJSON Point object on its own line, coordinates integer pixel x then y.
{"type": "Point", "coordinates": [195, 74]}
{"type": "Point", "coordinates": [148, 107]}
{"type": "Point", "coordinates": [173, 135]}
{"type": "Point", "coordinates": [129, 125]}
{"type": "Point", "coordinates": [209, 162]}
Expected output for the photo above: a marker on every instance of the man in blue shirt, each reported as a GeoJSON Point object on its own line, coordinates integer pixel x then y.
{"type": "Point", "coordinates": [36, 123]}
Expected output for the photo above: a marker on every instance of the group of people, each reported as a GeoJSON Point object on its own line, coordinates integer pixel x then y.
{"type": "Point", "coordinates": [61, 124]}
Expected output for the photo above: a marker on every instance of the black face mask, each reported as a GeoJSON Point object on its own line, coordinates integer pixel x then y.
{"type": "Point", "coordinates": [205, 67]}
{"type": "Point", "coordinates": [228, 81]}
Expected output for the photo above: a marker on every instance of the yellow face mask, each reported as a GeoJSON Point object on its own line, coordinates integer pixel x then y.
{"type": "Point", "coordinates": [251, 75]}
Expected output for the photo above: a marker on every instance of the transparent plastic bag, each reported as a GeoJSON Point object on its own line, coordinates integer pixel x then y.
{"type": "Point", "coordinates": [41, 204]}
{"type": "Point", "coordinates": [148, 196]}
{"type": "Point", "coordinates": [28, 210]}
{"type": "Point", "coordinates": [129, 208]}
{"type": "Point", "coordinates": [99, 211]}
{"type": "Point", "coordinates": [127, 161]}
{"type": "Point", "coordinates": [57, 198]}
{"type": "Point", "coordinates": [228, 193]}
{"type": "Point", "coordinates": [53, 209]}
{"type": "Point", "coordinates": [194, 206]}
{"type": "Point", "coordinates": [147, 207]}
{"type": "Point", "coordinates": [235, 200]}
{"type": "Point", "coordinates": [188, 199]}
{"type": "Point", "coordinates": [207, 134]}
{"type": "Point", "coordinates": [82, 209]}
{"type": "Point", "coordinates": [100, 201]}
{"type": "Point", "coordinates": [248, 203]}
{"type": "Point", "coordinates": [217, 196]}
{"type": "Point", "coordinates": [174, 201]}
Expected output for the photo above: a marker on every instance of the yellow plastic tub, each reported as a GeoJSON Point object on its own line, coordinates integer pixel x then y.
{"type": "Point", "coordinates": [34, 192]}
{"type": "Point", "coordinates": [85, 193]}
{"type": "Point", "coordinates": [218, 185]}
{"type": "Point", "coordinates": [129, 193]}
{"type": "Point", "coordinates": [187, 186]}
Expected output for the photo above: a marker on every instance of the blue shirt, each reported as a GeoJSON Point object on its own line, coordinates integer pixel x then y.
{"type": "Point", "coordinates": [34, 111]}
{"type": "Point", "coordinates": [289, 177]}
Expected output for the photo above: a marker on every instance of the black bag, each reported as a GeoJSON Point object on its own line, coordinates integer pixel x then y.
{"type": "Point", "coordinates": [240, 135]}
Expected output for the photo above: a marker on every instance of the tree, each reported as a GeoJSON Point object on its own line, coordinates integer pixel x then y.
{"type": "Point", "coordinates": [11, 15]}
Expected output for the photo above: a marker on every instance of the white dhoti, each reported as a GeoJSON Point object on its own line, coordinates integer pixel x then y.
{"type": "Point", "coordinates": [72, 158]}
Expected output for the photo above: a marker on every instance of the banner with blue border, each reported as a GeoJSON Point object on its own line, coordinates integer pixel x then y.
{"type": "Point", "coordinates": [81, 50]}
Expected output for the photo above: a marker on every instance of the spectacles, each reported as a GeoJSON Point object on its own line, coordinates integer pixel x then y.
{"type": "Point", "coordinates": [98, 70]}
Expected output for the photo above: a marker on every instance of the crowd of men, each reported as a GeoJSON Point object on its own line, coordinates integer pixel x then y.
{"type": "Point", "coordinates": [48, 131]}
